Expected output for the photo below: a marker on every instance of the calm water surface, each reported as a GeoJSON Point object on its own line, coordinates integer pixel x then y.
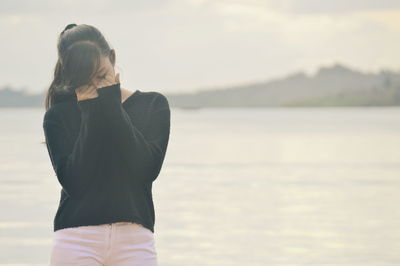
{"type": "Point", "coordinates": [298, 186]}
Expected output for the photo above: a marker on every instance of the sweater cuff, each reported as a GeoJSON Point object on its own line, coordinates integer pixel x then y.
{"type": "Point", "coordinates": [89, 105]}
{"type": "Point", "coordinates": [111, 92]}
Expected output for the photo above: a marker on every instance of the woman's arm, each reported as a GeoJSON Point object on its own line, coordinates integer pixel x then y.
{"type": "Point", "coordinates": [142, 155]}
{"type": "Point", "coordinates": [76, 167]}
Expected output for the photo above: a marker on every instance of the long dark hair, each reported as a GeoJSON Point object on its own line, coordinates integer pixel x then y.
{"type": "Point", "coordinates": [80, 48]}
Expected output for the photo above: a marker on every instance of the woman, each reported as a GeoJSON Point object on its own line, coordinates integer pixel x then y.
{"type": "Point", "coordinates": [107, 146]}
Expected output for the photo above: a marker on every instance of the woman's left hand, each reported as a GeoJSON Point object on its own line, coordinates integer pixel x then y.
{"type": "Point", "coordinates": [110, 79]}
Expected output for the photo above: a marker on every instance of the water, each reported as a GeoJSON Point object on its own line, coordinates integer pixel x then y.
{"type": "Point", "coordinates": [298, 186]}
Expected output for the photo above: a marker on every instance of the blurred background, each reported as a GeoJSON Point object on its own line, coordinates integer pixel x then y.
{"type": "Point", "coordinates": [285, 126]}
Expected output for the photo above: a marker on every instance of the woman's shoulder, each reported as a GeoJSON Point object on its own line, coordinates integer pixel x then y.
{"type": "Point", "coordinates": [52, 114]}
{"type": "Point", "coordinates": [154, 99]}
{"type": "Point", "coordinates": [159, 100]}
{"type": "Point", "coordinates": [58, 112]}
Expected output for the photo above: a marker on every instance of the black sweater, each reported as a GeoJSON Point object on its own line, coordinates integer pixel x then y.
{"type": "Point", "coordinates": [106, 155]}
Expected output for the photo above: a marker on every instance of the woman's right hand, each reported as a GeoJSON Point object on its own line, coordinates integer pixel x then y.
{"type": "Point", "coordinates": [86, 92]}
{"type": "Point", "coordinates": [90, 91]}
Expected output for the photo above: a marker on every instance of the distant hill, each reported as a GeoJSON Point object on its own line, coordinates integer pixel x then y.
{"type": "Point", "coordinates": [336, 85]}
{"type": "Point", "coordinates": [10, 97]}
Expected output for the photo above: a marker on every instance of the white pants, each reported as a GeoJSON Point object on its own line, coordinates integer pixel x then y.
{"type": "Point", "coordinates": [116, 244]}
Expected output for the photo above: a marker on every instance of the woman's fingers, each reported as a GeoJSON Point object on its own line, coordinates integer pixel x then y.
{"type": "Point", "coordinates": [90, 90]}
{"type": "Point", "coordinates": [109, 80]}
{"type": "Point", "coordinates": [86, 92]}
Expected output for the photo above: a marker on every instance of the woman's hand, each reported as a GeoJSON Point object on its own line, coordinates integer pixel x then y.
{"type": "Point", "coordinates": [108, 80]}
{"type": "Point", "coordinates": [86, 92]}
{"type": "Point", "coordinates": [90, 91]}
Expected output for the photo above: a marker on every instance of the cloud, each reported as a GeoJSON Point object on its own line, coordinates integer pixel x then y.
{"type": "Point", "coordinates": [340, 6]}
{"type": "Point", "coordinates": [77, 7]}
{"type": "Point", "coordinates": [309, 6]}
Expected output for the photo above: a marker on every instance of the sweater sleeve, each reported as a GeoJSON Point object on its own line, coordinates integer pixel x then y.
{"type": "Point", "coordinates": [75, 167]}
{"type": "Point", "coordinates": [142, 155]}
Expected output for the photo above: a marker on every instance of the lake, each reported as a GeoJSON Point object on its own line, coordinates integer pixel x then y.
{"type": "Point", "coordinates": [260, 186]}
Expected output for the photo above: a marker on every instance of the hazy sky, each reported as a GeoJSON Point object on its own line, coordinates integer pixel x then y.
{"type": "Point", "coordinates": [185, 45]}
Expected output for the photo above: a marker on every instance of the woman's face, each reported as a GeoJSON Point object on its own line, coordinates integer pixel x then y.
{"type": "Point", "coordinates": [104, 74]}
{"type": "Point", "coordinates": [105, 68]}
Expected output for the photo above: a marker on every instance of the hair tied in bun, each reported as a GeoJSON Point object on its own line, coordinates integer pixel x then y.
{"type": "Point", "coordinates": [69, 26]}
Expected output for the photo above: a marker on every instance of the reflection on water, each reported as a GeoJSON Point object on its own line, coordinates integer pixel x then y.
{"type": "Point", "coordinates": [239, 187]}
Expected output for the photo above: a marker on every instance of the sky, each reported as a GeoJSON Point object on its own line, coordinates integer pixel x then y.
{"type": "Point", "coordinates": [191, 45]}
